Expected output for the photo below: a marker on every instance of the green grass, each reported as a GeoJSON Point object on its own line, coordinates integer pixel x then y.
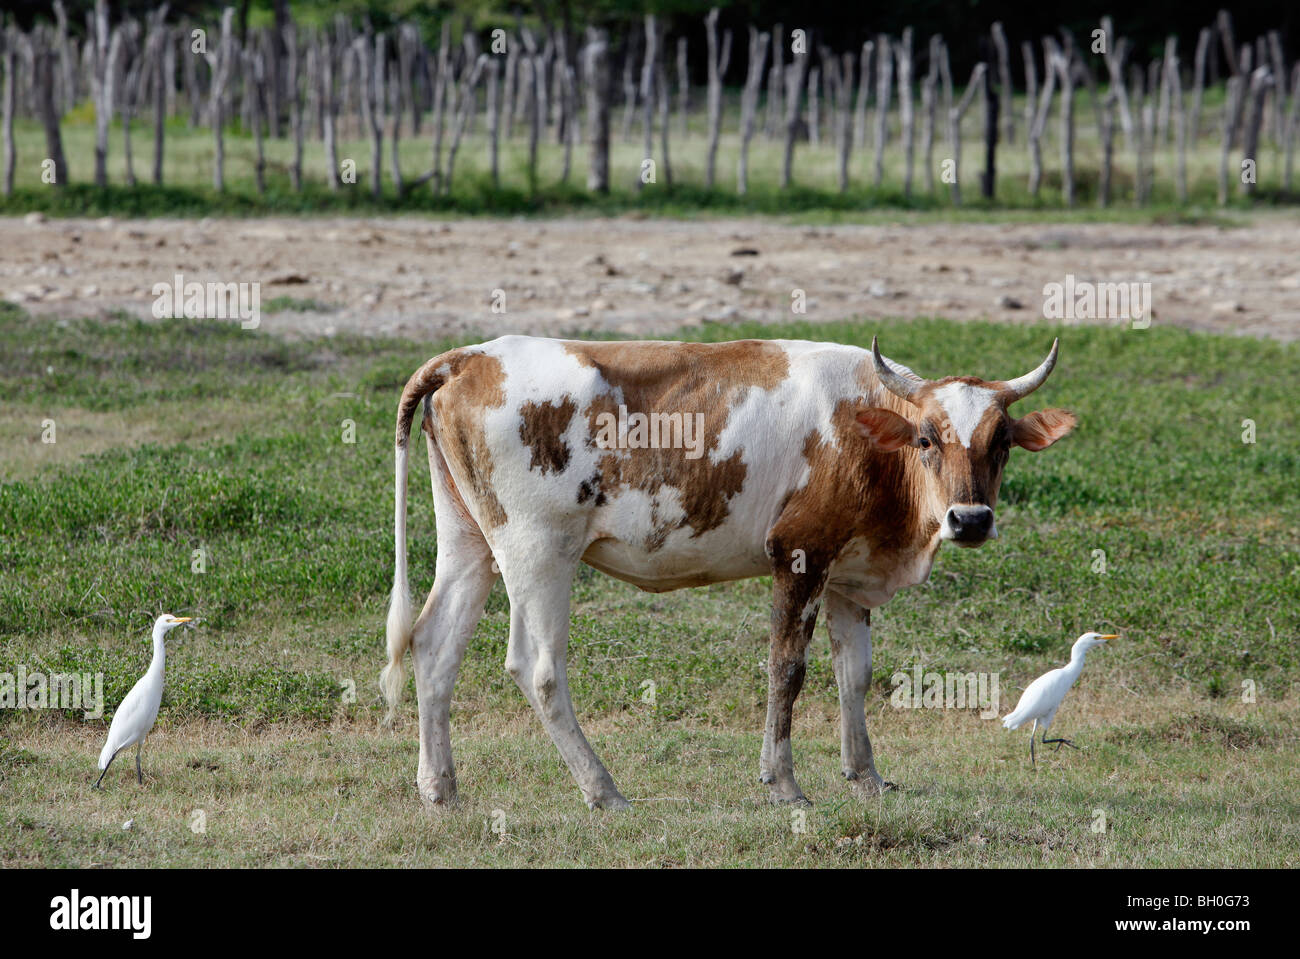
{"type": "Point", "coordinates": [181, 435]}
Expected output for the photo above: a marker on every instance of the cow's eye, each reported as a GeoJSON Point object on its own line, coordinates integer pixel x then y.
{"type": "Point", "coordinates": [925, 443]}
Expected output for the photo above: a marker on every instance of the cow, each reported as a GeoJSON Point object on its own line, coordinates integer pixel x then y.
{"type": "Point", "coordinates": [834, 470]}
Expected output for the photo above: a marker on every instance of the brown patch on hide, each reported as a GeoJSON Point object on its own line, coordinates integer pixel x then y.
{"type": "Point", "coordinates": [542, 431]}
{"type": "Point", "coordinates": [699, 381]}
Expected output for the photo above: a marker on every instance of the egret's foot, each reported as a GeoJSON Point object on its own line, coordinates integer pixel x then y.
{"type": "Point", "coordinates": [1059, 742]}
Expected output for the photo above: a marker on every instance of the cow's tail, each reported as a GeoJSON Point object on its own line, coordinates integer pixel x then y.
{"type": "Point", "coordinates": [392, 679]}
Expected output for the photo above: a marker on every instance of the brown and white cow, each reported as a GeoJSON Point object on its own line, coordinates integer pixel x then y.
{"type": "Point", "coordinates": [835, 470]}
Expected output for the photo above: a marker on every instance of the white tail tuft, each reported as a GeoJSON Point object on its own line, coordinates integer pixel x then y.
{"type": "Point", "coordinates": [392, 679]}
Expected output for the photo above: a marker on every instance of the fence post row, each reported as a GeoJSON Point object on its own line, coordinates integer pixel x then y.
{"type": "Point", "coordinates": [336, 82]}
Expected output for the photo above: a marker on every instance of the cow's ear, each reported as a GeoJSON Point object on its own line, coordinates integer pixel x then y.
{"type": "Point", "coordinates": [885, 429]}
{"type": "Point", "coordinates": [1040, 429]}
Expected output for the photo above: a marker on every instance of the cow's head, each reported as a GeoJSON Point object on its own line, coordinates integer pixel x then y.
{"type": "Point", "coordinates": [960, 433]}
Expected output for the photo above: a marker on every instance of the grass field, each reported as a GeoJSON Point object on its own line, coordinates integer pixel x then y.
{"type": "Point", "coordinates": [184, 435]}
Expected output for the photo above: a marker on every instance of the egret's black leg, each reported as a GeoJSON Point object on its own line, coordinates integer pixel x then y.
{"type": "Point", "coordinates": [139, 776]}
{"type": "Point", "coordinates": [1058, 742]}
{"type": "Point", "coordinates": [105, 772]}
{"type": "Point", "coordinates": [1033, 760]}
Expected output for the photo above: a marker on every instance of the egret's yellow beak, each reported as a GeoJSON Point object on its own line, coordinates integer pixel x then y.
{"type": "Point", "coordinates": [182, 619]}
{"type": "Point", "coordinates": [1109, 636]}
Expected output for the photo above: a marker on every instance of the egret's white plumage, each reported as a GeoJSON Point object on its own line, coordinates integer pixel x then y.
{"type": "Point", "coordinates": [1042, 698]}
{"type": "Point", "coordinates": [136, 715]}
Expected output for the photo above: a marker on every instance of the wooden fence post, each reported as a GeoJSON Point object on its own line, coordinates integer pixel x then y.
{"type": "Point", "coordinates": [1063, 66]}
{"type": "Point", "coordinates": [493, 120]}
{"type": "Point", "coordinates": [683, 87]}
{"type": "Point", "coordinates": [1039, 126]}
{"type": "Point", "coordinates": [465, 98]}
{"type": "Point", "coordinates": [1107, 149]}
{"type": "Point", "coordinates": [1175, 82]}
{"type": "Point", "coordinates": [749, 103]}
{"type": "Point", "coordinates": [101, 89]}
{"type": "Point", "coordinates": [1198, 81]}
{"type": "Point", "coordinates": [864, 91]}
{"type": "Point", "coordinates": [929, 98]}
{"type": "Point", "coordinates": [648, 96]}
{"type": "Point", "coordinates": [221, 64]}
{"type": "Point", "coordinates": [884, 73]}
{"type": "Point", "coordinates": [9, 39]}
{"type": "Point", "coordinates": [1116, 49]}
{"type": "Point", "coordinates": [776, 85]}
{"type": "Point", "coordinates": [1292, 125]}
{"type": "Point", "coordinates": [843, 129]}
{"type": "Point", "coordinates": [988, 181]}
{"type": "Point", "coordinates": [1005, 90]}
{"type": "Point", "coordinates": [293, 85]}
{"type": "Point", "coordinates": [156, 45]}
{"type": "Point", "coordinates": [793, 93]}
{"type": "Point", "coordinates": [955, 116]}
{"type": "Point", "coordinates": [597, 71]}
{"type": "Point", "coordinates": [716, 58]}
{"type": "Point", "coordinates": [1261, 80]}
{"type": "Point", "coordinates": [330, 107]}
{"type": "Point", "coordinates": [905, 116]}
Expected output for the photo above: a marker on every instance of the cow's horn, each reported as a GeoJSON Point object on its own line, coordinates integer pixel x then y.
{"type": "Point", "coordinates": [1022, 386]}
{"type": "Point", "coordinates": [895, 377]}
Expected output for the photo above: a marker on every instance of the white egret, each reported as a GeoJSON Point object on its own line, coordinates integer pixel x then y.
{"type": "Point", "coordinates": [135, 717]}
{"type": "Point", "coordinates": [1042, 698]}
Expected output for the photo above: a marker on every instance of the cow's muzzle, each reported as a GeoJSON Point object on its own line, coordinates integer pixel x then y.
{"type": "Point", "coordinates": [968, 525]}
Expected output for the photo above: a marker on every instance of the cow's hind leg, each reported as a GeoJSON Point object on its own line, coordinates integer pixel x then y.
{"type": "Point", "coordinates": [538, 581]}
{"type": "Point", "coordinates": [463, 577]}
{"type": "Point", "coordinates": [850, 628]}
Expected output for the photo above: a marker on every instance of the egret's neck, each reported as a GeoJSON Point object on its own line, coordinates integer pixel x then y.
{"type": "Point", "coordinates": [159, 648]}
{"type": "Point", "coordinates": [1076, 661]}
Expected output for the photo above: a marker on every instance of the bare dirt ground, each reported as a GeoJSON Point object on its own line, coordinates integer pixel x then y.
{"type": "Point", "coordinates": [431, 278]}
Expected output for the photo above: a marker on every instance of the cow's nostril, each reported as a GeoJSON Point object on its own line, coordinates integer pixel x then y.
{"type": "Point", "coordinates": [970, 522]}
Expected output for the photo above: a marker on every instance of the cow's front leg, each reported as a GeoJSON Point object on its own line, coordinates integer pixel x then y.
{"type": "Point", "coordinates": [850, 628]}
{"type": "Point", "coordinates": [795, 601]}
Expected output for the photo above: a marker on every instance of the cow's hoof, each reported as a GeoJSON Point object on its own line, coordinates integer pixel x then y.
{"type": "Point", "coordinates": [613, 802]}
{"type": "Point", "coordinates": [787, 794]}
{"type": "Point", "coordinates": [437, 794]}
{"type": "Point", "coordinates": [799, 800]}
{"type": "Point", "coordinates": [869, 784]}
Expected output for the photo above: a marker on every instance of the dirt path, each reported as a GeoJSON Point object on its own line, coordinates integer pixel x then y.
{"type": "Point", "coordinates": [427, 279]}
